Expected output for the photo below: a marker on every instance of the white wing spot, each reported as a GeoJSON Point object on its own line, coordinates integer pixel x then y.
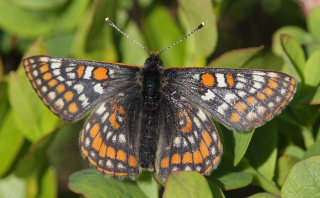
{"type": "Point", "coordinates": [109, 164]}
{"type": "Point", "coordinates": [88, 72]}
{"type": "Point", "coordinates": [122, 138]}
{"type": "Point", "coordinates": [52, 95]}
{"type": "Point", "coordinates": [271, 105]}
{"type": "Point", "coordinates": [230, 97]}
{"type": "Point", "coordinates": [283, 91]}
{"type": "Point", "coordinates": [101, 109]}
{"type": "Point", "coordinates": [202, 115]}
{"type": "Point", "coordinates": [177, 141]}
{"type": "Point", "coordinates": [44, 89]}
{"type": "Point", "coordinates": [104, 117]}
{"type": "Point", "coordinates": [222, 108]}
{"type": "Point", "coordinates": [257, 85]}
{"type": "Point", "coordinates": [259, 78]}
{"type": "Point", "coordinates": [42, 59]}
{"type": "Point", "coordinates": [97, 88]}
{"type": "Point", "coordinates": [278, 99]}
{"type": "Point", "coordinates": [196, 76]}
{"type": "Point", "coordinates": [221, 80]}
{"type": "Point", "coordinates": [60, 78]}
{"type": "Point", "coordinates": [59, 103]}
{"type": "Point", "coordinates": [197, 122]}
{"type": "Point", "coordinates": [38, 82]}
{"type": "Point", "coordinates": [273, 75]}
{"type": "Point", "coordinates": [251, 116]}
{"type": "Point", "coordinates": [261, 110]}
{"type": "Point", "coordinates": [56, 72]}
{"type": "Point", "coordinates": [242, 93]}
{"type": "Point", "coordinates": [55, 65]}
{"type": "Point", "coordinates": [71, 75]}
{"type": "Point", "coordinates": [35, 73]}
{"type": "Point", "coordinates": [191, 139]}
{"type": "Point", "coordinates": [79, 88]}
{"type": "Point", "coordinates": [87, 142]}
{"type": "Point", "coordinates": [239, 85]}
{"type": "Point", "coordinates": [209, 95]}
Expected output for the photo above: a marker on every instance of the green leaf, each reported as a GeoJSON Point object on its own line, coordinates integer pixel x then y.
{"type": "Point", "coordinates": [38, 4]}
{"type": "Point", "coordinates": [148, 185]}
{"type": "Point", "coordinates": [48, 184]}
{"type": "Point", "coordinates": [187, 184]}
{"type": "Point", "coordinates": [35, 160]}
{"type": "Point", "coordinates": [91, 184]}
{"type": "Point", "coordinates": [312, 69]}
{"type": "Point", "coordinates": [262, 152]}
{"type": "Point", "coordinates": [303, 179]}
{"type": "Point", "coordinates": [313, 22]}
{"type": "Point", "coordinates": [264, 195]}
{"type": "Point", "coordinates": [312, 150]}
{"type": "Point", "coordinates": [315, 97]}
{"type": "Point", "coordinates": [193, 14]}
{"type": "Point", "coordinates": [236, 58]}
{"type": "Point", "coordinates": [128, 47]}
{"type": "Point", "coordinates": [32, 117]}
{"type": "Point", "coordinates": [293, 55]}
{"type": "Point", "coordinates": [161, 31]}
{"type": "Point", "coordinates": [216, 190]}
{"type": "Point", "coordinates": [235, 180]}
{"type": "Point", "coordinates": [298, 33]}
{"type": "Point", "coordinates": [93, 38]}
{"type": "Point", "coordinates": [294, 151]}
{"type": "Point", "coordinates": [11, 142]}
{"type": "Point", "coordinates": [13, 187]}
{"type": "Point", "coordinates": [285, 163]}
{"type": "Point", "coordinates": [241, 143]}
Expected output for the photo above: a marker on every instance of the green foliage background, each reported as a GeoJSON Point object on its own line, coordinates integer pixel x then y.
{"type": "Point", "coordinates": [39, 155]}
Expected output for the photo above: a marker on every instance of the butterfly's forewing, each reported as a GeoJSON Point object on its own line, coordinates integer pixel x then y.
{"type": "Point", "coordinates": [188, 139]}
{"type": "Point", "coordinates": [109, 139]}
{"type": "Point", "coordinates": [240, 99]}
{"type": "Point", "coordinates": [71, 87]}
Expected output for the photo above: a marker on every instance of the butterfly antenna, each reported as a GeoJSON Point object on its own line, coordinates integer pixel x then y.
{"type": "Point", "coordinates": [193, 31]}
{"type": "Point", "coordinates": [129, 37]}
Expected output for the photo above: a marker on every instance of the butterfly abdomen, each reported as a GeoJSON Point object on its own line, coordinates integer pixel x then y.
{"type": "Point", "coordinates": [152, 74]}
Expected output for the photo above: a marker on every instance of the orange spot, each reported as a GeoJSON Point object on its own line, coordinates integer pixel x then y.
{"type": "Point", "coordinates": [47, 76]}
{"type": "Point", "coordinates": [268, 91]}
{"type": "Point", "coordinates": [30, 76]}
{"type": "Point", "coordinates": [204, 149]}
{"type": "Point", "coordinates": [288, 96]}
{"type": "Point", "coordinates": [39, 93]}
{"type": "Point", "coordinates": [197, 158]}
{"type": "Point", "coordinates": [94, 130]}
{"type": "Point", "coordinates": [68, 96]}
{"type": "Point", "coordinates": [165, 162]}
{"type": "Point", "coordinates": [96, 144]}
{"type": "Point", "coordinates": [208, 170]}
{"type": "Point", "coordinates": [207, 138]}
{"type": "Point", "coordinates": [269, 116]}
{"type": "Point", "coordinates": [284, 104]}
{"type": "Point", "coordinates": [92, 161]}
{"type": "Point", "coordinates": [208, 79]}
{"type": "Point", "coordinates": [230, 80]}
{"type": "Point", "coordinates": [103, 150]}
{"type": "Point", "coordinates": [80, 71]}
{"type": "Point", "coordinates": [115, 124]}
{"type": "Point", "coordinates": [251, 100]}
{"type": "Point", "coordinates": [120, 174]}
{"type": "Point", "coordinates": [216, 160]}
{"type": "Point", "coordinates": [73, 107]}
{"type": "Point", "coordinates": [133, 161]}
{"type": "Point", "coordinates": [235, 117]}
{"type": "Point", "coordinates": [52, 82]}
{"type": "Point", "coordinates": [44, 68]}
{"type": "Point", "coordinates": [45, 101]}
{"type": "Point", "coordinates": [61, 88]}
{"type": "Point", "coordinates": [176, 159]}
{"type": "Point", "coordinates": [34, 85]}
{"type": "Point", "coordinates": [111, 152]}
{"type": "Point", "coordinates": [84, 151]}
{"type": "Point", "coordinates": [101, 73]}
{"type": "Point", "coordinates": [291, 88]}
{"type": "Point", "coordinates": [26, 62]}
{"type": "Point", "coordinates": [293, 81]}
{"type": "Point", "coordinates": [187, 158]}
{"type": "Point", "coordinates": [27, 67]}
{"type": "Point", "coordinates": [121, 155]}
{"type": "Point", "coordinates": [82, 135]}
{"type": "Point", "coordinates": [187, 128]}
{"type": "Point", "coordinates": [241, 106]}
{"type": "Point", "coordinates": [273, 84]}
{"type": "Point", "coordinates": [261, 96]}
{"type": "Point", "coordinates": [220, 147]}
{"type": "Point", "coordinates": [122, 111]}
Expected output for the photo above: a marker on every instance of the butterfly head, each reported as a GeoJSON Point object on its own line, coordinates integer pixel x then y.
{"type": "Point", "coordinates": [154, 61]}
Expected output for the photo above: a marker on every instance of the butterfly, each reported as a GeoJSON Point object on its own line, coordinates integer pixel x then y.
{"type": "Point", "coordinates": [154, 118]}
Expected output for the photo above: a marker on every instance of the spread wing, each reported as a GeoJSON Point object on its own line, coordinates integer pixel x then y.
{"type": "Point", "coordinates": [240, 99]}
{"type": "Point", "coordinates": [71, 87]}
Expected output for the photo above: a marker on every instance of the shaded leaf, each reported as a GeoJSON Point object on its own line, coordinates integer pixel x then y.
{"type": "Point", "coordinates": [236, 58]}
{"type": "Point", "coordinates": [314, 149]}
{"type": "Point", "coordinates": [187, 184]}
{"type": "Point", "coordinates": [159, 38]}
{"type": "Point", "coordinates": [293, 55]}
{"type": "Point", "coordinates": [11, 141]}
{"type": "Point", "coordinates": [285, 163]}
{"type": "Point", "coordinates": [298, 33]}
{"type": "Point", "coordinates": [148, 185]}
{"type": "Point", "coordinates": [313, 22]}
{"type": "Point", "coordinates": [205, 40]}
{"type": "Point", "coordinates": [303, 179]}
{"type": "Point", "coordinates": [91, 184]}
{"type": "Point", "coordinates": [241, 142]}
{"type": "Point", "coordinates": [235, 180]}
{"type": "Point", "coordinates": [312, 69]}
{"type": "Point", "coordinates": [13, 187]}
{"type": "Point", "coordinates": [216, 190]}
{"type": "Point", "coordinates": [264, 195]}
{"type": "Point", "coordinates": [48, 184]}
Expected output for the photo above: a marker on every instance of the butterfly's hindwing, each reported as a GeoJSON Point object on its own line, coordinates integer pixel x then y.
{"type": "Point", "coordinates": [188, 139]}
{"type": "Point", "coordinates": [109, 139]}
{"type": "Point", "coordinates": [240, 99]}
{"type": "Point", "coordinates": [71, 87]}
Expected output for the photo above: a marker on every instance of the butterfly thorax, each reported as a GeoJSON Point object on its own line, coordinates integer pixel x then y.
{"type": "Point", "coordinates": [152, 74]}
